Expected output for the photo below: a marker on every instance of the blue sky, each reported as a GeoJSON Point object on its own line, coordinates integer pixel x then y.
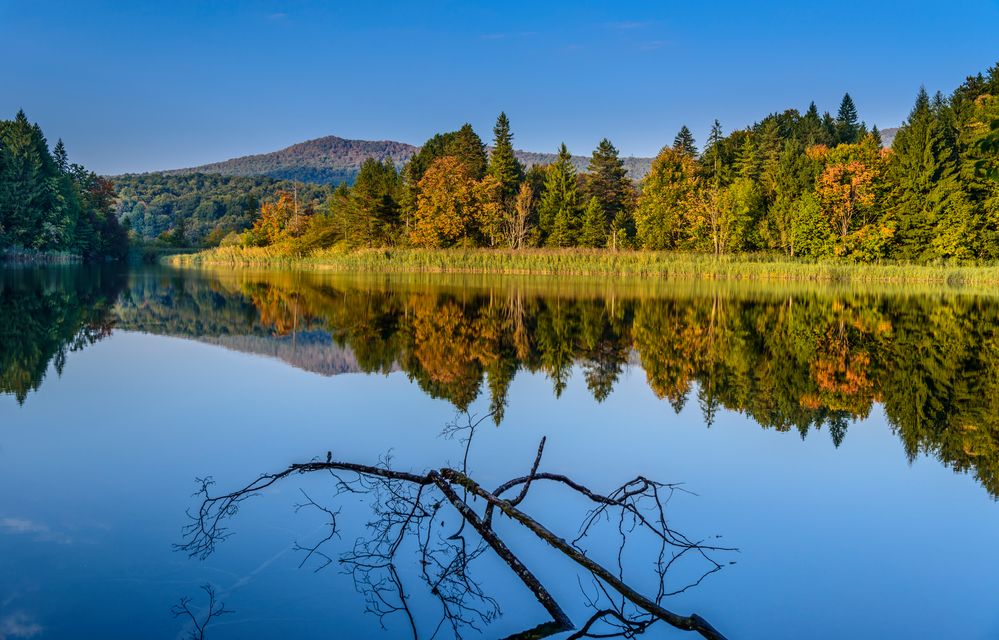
{"type": "Point", "coordinates": [135, 86]}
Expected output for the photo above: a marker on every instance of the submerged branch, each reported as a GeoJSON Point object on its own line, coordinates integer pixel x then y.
{"type": "Point", "coordinates": [404, 511]}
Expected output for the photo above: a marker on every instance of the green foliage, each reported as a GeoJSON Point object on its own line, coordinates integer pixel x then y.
{"type": "Point", "coordinates": [50, 205]}
{"type": "Point", "coordinates": [684, 142]}
{"type": "Point", "coordinates": [594, 231]}
{"type": "Point", "coordinates": [503, 164]}
{"type": "Point", "coordinates": [847, 127]}
{"type": "Point", "coordinates": [209, 206]}
{"type": "Point", "coordinates": [801, 185]}
{"type": "Point", "coordinates": [558, 212]}
{"type": "Point", "coordinates": [671, 200]}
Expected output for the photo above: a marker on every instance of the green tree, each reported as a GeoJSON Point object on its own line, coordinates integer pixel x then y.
{"type": "Point", "coordinates": [558, 212]}
{"type": "Point", "coordinates": [923, 170]}
{"type": "Point", "coordinates": [503, 164]}
{"type": "Point", "coordinates": [594, 232]}
{"type": "Point", "coordinates": [607, 180]}
{"type": "Point", "coordinates": [847, 121]}
{"type": "Point", "coordinates": [684, 142]}
{"type": "Point", "coordinates": [670, 203]}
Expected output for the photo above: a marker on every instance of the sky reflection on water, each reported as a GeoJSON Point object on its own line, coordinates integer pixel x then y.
{"type": "Point", "coordinates": [844, 541]}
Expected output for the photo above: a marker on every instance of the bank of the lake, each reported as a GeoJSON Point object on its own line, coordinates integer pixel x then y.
{"type": "Point", "coordinates": [30, 257]}
{"type": "Point", "coordinates": [583, 262]}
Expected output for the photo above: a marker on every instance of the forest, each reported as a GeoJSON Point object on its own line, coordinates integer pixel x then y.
{"type": "Point", "coordinates": [49, 206]}
{"type": "Point", "coordinates": [802, 185]}
{"type": "Point", "coordinates": [201, 209]}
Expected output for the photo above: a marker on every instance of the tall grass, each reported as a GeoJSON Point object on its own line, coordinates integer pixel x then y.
{"type": "Point", "coordinates": [22, 256]}
{"type": "Point", "coordinates": [583, 262]}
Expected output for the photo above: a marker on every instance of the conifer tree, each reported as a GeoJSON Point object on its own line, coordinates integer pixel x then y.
{"type": "Point", "coordinates": [607, 181]}
{"type": "Point", "coordinates": [684, 142]}
{"type": "Point", "coordinates": [559, 210]}
{"type": "Point", "coordinates": [503, 164]}
{"type": "Point", "coordinates": [924, 172]}
{"type": "Point", "coordinates": [60, 157]}
{"type": "Point", "coordinates": [594, 232]}
{"type": "Point", "coordinates": [468, 148]}
{"type": "Point", "coordinates": [811, 130]}
{"type": "Point", "coordinates": [846, 121]}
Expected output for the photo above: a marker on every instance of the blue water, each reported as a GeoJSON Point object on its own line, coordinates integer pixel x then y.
{"type": "Point", "coordinates": [98, 467]}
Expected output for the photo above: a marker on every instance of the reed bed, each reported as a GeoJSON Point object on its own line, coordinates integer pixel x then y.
{"type": "Point", "coordinates": [582, 262]}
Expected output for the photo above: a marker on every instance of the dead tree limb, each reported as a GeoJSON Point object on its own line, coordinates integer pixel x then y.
{"type": "Point", "coordinates": [404, 509]}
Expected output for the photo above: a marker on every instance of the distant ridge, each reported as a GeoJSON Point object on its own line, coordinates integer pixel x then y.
{"type": "Point", "coordinates": [332, 160]}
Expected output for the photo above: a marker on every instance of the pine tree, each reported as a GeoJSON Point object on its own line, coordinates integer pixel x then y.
{"type": "Point", "coordinates": [503, 164]}
{"type": "Point", "coordinates": [468, 148]}
{"type": "Point", "coordinates": [684, 142]}
{"type": "Point", "coordinates": [923, 167]}
{"type": "Point", "coordinates": [876, 134]}
{"type": "Point", "coordinates": [811, 131]}
{"type": "Point", "coordinates": [559, 210]}
{"type": "Point", "coordinates": [846, 121]}
{"type": "Point", "coordinates": [60, 157]}
{"type": "Point", "coordinates": [608, 182]}
{"type": "Point", "coordinates": [594, 233]}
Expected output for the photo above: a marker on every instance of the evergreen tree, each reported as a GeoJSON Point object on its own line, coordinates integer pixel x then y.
{"type": "Point", "coordinates": [468, 148]}
{"type": "Point", "coordinates": [811, 130]}
{"type": "Point", "coordinates": [876, 134]}
{"type": "Point", "coordinates": [503, 164]}
{"type": "Point", "coordinates": [608, 182]}
{"type": "Point", "coordinates": [60, 157]}
{"type": "Point", "coordinates": [684, 142]}
{"type": "Point", "coordinates": [846, 121]}
{"type": "Point", "coordinates": [923, 169]}
{"type": "Point", "coordinates": [48, 204]}
{"type": "Point", "coordinates": [594, 232]}
{"type": "Point", "coordinates": [559, 210]}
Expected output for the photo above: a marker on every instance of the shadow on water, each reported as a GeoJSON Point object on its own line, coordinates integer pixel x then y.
{"type": "Point", "coordinates": [428, 531]}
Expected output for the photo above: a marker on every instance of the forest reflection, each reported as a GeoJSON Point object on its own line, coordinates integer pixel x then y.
{"type": "Point", "coordinates": [790, 358]}
{"type": "Point", "coordinates": [47, 313]}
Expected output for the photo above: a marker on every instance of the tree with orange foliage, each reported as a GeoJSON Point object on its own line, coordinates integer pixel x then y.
{"type": "Point", "coordinates": [849, 191]}
{"type": "Point", "coordinates": [274, 218]}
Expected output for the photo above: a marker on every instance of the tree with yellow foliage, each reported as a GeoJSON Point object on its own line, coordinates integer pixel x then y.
{"type": "Point", "coordinates": [447, 205]}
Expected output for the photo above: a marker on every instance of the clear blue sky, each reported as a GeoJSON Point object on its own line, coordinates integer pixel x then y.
{"type": "Point", "coordinates": [135, 86]}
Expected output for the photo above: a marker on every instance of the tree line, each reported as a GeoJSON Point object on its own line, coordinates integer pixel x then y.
{"type": "Point", "coordinates": [809, 185]}
{"type": "Point", "coordinates": [48, 204]}
{"type": "Point", "coordinates": [202, 209]}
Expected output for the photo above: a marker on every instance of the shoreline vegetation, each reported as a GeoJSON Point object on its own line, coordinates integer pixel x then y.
{"type": "Point", "coordinates": [14, 256]}
{"type": "Point", "coordinates": [804, 196]}
{"type": "Point", "coordinates": [592, 262]}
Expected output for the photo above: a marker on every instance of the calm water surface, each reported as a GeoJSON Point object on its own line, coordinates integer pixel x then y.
{"type": "Point", "coordinates": [845, 442]}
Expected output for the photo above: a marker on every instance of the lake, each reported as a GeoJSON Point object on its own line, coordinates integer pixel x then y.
{"type": "Point", "coordinates": [829, 456]}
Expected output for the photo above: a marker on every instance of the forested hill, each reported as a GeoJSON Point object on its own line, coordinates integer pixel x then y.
{"type": "Point", "coordinates": [332, 160]}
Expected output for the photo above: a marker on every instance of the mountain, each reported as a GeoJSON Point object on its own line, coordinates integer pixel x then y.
{"type": "Point", "coordinates": [888, 136]}
{"type": "Point", "coordinates": [332, 160]}
{"type": "Point", "coordinates": [328, 160]}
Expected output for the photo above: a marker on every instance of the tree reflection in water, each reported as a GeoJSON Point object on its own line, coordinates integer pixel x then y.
{"type": "Point", "coordinates": [793, 358]}
{"type": "Point", "coordinates": [409, 511]}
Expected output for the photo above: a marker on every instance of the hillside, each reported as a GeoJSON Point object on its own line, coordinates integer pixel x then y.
{"type": "Point", "coordinates": [332, 160]}
{"type": "Point", "coordinates": [888, 136]}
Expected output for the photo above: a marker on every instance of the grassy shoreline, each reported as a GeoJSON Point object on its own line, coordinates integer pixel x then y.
{"type": "Point", "coordinates": [17, 257]}
{"type": "Point", "coordinates": [581, 262]}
